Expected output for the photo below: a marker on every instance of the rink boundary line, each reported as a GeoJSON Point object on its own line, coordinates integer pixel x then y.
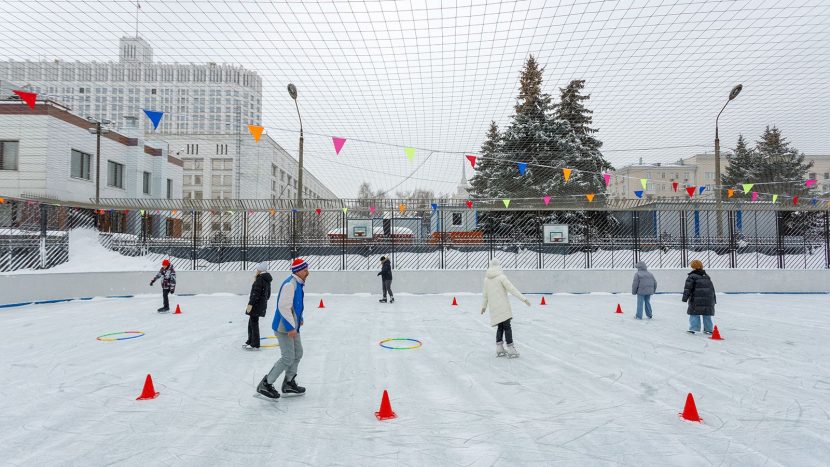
{"type": "Point", "coordinates": [62, 300]}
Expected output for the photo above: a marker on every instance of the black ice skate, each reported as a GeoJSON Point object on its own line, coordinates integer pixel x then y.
{"type": "Point", "coordinates": [382, 300]}
{"type": "Point", "coordinates": [266, 389]}
{"type": "Point", "coordinates": [163, 309]}
{"type": "Point", "coordinates": [691, 332]}
{"type": "Point", "coordinates": [290, 387]}
{"type": "Point", "coordinates": [392, 300]}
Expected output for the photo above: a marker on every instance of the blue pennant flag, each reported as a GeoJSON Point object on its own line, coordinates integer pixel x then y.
{"type": "Point", "coordinates": [813, 201]}
{"type": "Point", "coordinates": [639, 193]}
{"type": "Point", "coordinates": [434, 206]}
{"type": "Point", "coordinates": [701, 189]}
{"type": "Point", "coordinates": [154, 117]}
{"type": "Point", "coordinates": [522, 167]}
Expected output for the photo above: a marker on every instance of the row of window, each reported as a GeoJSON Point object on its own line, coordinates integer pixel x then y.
{"type": "Point", "coordinates": [80, 168]}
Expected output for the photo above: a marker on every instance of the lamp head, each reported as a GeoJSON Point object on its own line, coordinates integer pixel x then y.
{"type": "Point", "coordinates": [292, 91]}
{"type": "Point", "coordinates": [735, 91]}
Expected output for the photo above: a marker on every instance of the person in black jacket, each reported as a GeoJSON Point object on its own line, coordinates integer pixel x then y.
{"type": "Point", "coordinates": [386, 279]}
{"type": "Point", "coordinates": [699, 292]}
{"type": "Point", "coordinates": [257, 305]}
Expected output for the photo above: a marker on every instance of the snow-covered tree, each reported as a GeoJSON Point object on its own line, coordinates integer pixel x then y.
{"type": "Point", "coordinates": [744, 163]}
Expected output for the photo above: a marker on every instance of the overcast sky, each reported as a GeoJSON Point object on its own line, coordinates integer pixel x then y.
{"type": "Point", "coordinates": [433, 74]}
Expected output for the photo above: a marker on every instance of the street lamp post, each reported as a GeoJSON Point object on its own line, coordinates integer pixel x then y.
{"type": "Point", "coordinates": [718, 195]}
{"type": "Point", "coordinates": [98, 131]}
{"type": "Point", "coordinates": [298, 218]}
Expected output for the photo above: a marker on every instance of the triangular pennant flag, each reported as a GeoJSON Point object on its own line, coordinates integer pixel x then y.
{"type": "Point", "coordinates": [402, 208]}
{"type": "Point", "coordinates": [472, 160]}
{"type": "Point", "coordinates": [154, 117]}
{"type": "Point", "coordinates": [522, 167]}
{"type": "Point", "coordinates": [810, 183]}
{"type": "Point", "coordinates": [691, 191]}
{"type": "Point", "coordinates": [590, 197]}
{"type": "Point", "coordinates": [470, 204]}
{"type": "Point", "coordinates": [506, 202]}
{"type": "Point", "coordinates": [174, 212]}
{"type": "Point", "coordinates": [607, 178]}
{"type": "Point", "coordinates": [813, 201]}
{"type": "Point", "coordinates": [674, 186]}
{"type": "Point", "coordinates": [410, 153]}
{"type": "Point", "coordinates": [338, 144]}
{"type": "Point", "coordinates": [774, 198]}
{"type": "Point", "coordinates": [747, 187]}
{"type": "Point", "coordinates": [700, 190]}
{"type": "Point", "coordinates": [639, 193]}
{"type": "Point", "coordinates": [272, 212]}
{"type": "Point", "coordinates": [345, 210]}
{"type": "Point", "coordinates": [434, 206]}
{"type": "Point", "coordinates": [28, 97]}
{"type": "Point", "coordinates": [567, 174]}
{"type": "Point", "coordinates": [318, 211]}
{"type": "Point", "coordinates": [256, 131]}
{"type": "Point", "coordinates": [730, 192]}
{"type": "Point", "coordinates": [372, 209]}
{"type": "Point", "coordinates": [546, 199]}
{"type": "Point", "coordinates": [754, 196]}
{"type": "Point", "coordinates": [644, 183]}
{"type": "Point", "coordinates": [795, 200]}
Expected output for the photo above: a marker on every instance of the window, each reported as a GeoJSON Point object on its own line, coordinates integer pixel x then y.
{"type": "Point", "coordinates": [457, 218]}
{"type": "Point", "coordinates": [282, 175]}
{"type": "Point", "coordinates": [115, 174]}
{"type": "Point", "coordinates": [827, 175]}
{"type": "Point", "coordinates": [813, 176]}
{"type": "Point", "coordinates": [685, 176]}
{"type": "Point", "coordinates": [80, 165]}
{"type": "Point", "coordinates": [663, 175]}
{"type": "Point", "coordinates": [8, 155]}
{"type": "Point", "coordinates": [146, 183]}
{"type": "Point", "coordinates": [273, 170]}
{"type": "Point", "coordinates": [169, 188]}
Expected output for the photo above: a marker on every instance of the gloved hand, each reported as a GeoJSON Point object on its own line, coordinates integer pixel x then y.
{"type": "Point", "coordinates": [248, 309]}
{"type": "Point", "coordinates": [172, 290]}
{"type": "Point", "coordinates": [527, 302]}
{"type": "Point", "coordinates": [152, 282]}
{"type": "Point", "coordinates": [483, 310]}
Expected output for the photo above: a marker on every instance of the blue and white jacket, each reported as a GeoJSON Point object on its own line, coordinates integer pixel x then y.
{"type": "Point", "coordinates": [289, 313]}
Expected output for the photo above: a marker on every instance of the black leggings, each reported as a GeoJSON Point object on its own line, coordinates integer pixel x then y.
{"type": "Point", "coordinates": [504, 328]}
{"type": "Point", "coordinates": [253, 329]}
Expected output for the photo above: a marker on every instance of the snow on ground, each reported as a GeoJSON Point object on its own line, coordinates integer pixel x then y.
{"type": "Point", "coordinates": [591, 387]}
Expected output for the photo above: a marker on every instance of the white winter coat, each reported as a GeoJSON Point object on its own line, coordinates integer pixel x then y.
{"type": "Point", "coordinates": [496, 287]}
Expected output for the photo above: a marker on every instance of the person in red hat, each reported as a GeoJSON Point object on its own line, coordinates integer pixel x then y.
{"type": "Point", "coordinates": [288, 319]}
{"type": "Point", "coordinates": [168, 283]}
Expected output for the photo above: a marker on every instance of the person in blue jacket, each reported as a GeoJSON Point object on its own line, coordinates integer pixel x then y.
{"type": "Point", "coordinates": [288, 319]}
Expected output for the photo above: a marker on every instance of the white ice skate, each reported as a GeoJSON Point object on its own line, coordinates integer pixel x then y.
{"type": "Point", "coordinates": [500, 352]}
{"type": "Point", "coordinates": [511, 351]}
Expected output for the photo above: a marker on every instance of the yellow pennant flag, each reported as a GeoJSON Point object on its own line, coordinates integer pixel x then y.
{"type": "Point", "coordinates": [410, 153]}
{"type": "Point", "coordinates": [345, 210]}
{"type": "Point", "coordinates": [730, 192]}
{"type": "Point", "coordinates": [506, 203]}
{"type": "Point", "coordinates": [590, 197]}
{"type": "Point", "coordinates": [774, 198]}
{"type": "Point", "coordinates": [644, 182]}
{"type": "Point", "coordinates": [747, 187]}
{"type": "Point", "coordinates": [256, 131]}
{"type": "Point", "coordinates": [567, 174]}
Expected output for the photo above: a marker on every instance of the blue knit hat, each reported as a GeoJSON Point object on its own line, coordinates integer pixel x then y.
{"type": "Point", "coordinates": [298, 265]}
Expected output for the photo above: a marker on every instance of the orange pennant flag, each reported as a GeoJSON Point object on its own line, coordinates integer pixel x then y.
{"type": "Point", "coordinates": [567, 173]}
{"type": "Point", "coordinates": [729, 193]}
{"type": "Point", "coordinates": [256, 131]}
{"type": "Point", "coordinates": [272, 212]}
{"type": "Point", "coordinates": [590, 197]}
{"type": "Point", "coordinates": [402, 208]}
{"type": "Point", "coordinates": [174, 212]}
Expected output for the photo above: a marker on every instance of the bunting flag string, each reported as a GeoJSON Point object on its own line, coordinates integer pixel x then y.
{"type": "Point", "coordinates": [154, 117]}
{"type": "Point", "coordinates": [256, 131]}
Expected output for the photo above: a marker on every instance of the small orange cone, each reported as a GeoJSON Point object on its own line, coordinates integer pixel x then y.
{"type": "Point", "coordinates": [690, 410]}
{"type": "Point", "coordinates": [385, 412]}
{"type": "Point", "coordinates": [543, 300]}
{"type": "Point", "coordinates": [149, 392]}
{"type": "Point", "coordinates": [321, 305]}
{"type": "Point", "coordinates": [454, 302]}
{"type": "Point", "coordinates": [178, 310]}
{"type": "Point", "coordinates": [716, 335]}
{"type": "Point", "coordinates": [619, 309]}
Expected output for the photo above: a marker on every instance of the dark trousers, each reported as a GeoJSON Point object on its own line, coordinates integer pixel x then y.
{"type": "Point", "coordinates": [387, 287]}
{"type": "Point", "coordinates": [253, 330]}
{"type": "Point", "coordinates": [504, 329]}
{"type": "Point", "coordinates": [164, 294]}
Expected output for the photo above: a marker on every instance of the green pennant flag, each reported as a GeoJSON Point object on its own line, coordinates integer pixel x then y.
{"type": "Point", "coordinates": [747, 187]}
{"type": "Point", "coordinates": [410, 153]}
{"type": "Point", "coordinates": [345, 210]}
{"type": "Point", "coordinates": [506, 203]}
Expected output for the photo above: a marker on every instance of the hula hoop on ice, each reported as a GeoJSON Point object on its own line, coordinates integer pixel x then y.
{"type": "Point", "coordinates": [123, 335]}
{"type": "Point", "coordinates": [416, 341]}
{"type": "Point", "coordinates": [268, 346]}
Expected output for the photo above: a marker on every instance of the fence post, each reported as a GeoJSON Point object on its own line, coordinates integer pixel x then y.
{"type": "Point", "coordinates": [440, 236]}
{"type": "Point", "coordinates": [733, 259]}
{"type": "Point", "coordinates": [244, 240]}
{"type": "Point", "coordinates": [193, 243]}
{"type": "Point", "coordinates": [343, 225]}
{"type": "Point", "coordinates": [779, 239]}
{"type": "Point", "coordinates": [827, 239]}
{"type": "Point", "coordinates": [684, 253]}
{"type": "Point", "coordinates": [293, 236]}
{"type": "Point", "coordinates": [635, 231]}
{"type": "Point", "coordinates": [392, 237]}
{"type": "Point", "coordinates": [44, 222]}
{"type": "Point", "coordinates": [588, 240]}
{"type": "Point", "coordinates": [541, 239]}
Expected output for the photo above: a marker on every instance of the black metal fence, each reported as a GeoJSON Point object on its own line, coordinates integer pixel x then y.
{"type": "Point", "coordinates": [415, 235]}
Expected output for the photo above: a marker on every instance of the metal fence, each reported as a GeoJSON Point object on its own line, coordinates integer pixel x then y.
{"type": "Point", "coordinates": [423, 234]}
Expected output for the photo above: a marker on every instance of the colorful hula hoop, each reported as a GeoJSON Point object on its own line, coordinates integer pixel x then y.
{"type": "Point", "coordinates": [416, 341]}
{"type": "Point", "coordinates": [107, 338]}
{"type": "Point", "coordinates": [268, 346]}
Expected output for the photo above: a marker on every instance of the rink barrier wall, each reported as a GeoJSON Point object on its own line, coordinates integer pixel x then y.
{"type": "Point", "coordinates": [54, 287]}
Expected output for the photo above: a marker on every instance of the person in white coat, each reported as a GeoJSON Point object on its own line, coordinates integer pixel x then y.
{"type": "Point", "coordinates": [496, 288]}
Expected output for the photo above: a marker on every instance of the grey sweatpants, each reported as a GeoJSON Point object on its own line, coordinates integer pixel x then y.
{"type": "Point", "coordinates": [387, 287]}
{"type": "Point", "coordinates": [292, 352]}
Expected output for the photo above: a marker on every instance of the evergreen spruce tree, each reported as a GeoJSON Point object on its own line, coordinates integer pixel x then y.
{"type": "Point", "coordinates": [744, 163]}
{"type": "Point", "coordinates": [484, 178]}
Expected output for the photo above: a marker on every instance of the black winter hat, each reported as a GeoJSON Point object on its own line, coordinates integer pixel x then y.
{"type": "Point", "coordinates": [383, 258]}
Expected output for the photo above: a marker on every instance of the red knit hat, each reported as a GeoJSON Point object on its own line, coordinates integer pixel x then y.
{"type": "Point", "coordinates": [298, 265]}
{"type": "Point", "coordinates": [165, 263]}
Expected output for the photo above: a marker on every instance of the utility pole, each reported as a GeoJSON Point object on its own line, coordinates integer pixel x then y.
{"type": "Point", "coordinates": [718, 195]}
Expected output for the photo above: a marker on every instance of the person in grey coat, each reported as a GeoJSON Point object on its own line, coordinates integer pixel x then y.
{"type": "Point", "coordinates": [699, 292]}
{"type": "Point", "coordinates": [644, 286]}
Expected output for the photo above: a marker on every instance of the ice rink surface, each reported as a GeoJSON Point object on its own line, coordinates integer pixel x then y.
{"type": "Point", "coordinates": [591, 387]}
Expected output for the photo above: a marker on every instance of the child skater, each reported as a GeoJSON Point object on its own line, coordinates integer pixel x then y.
{"type": "Point", "coordinates": [386, 279]}
{"type": "Point", "coordinates": [168, 283]}
{"type": "Point", "coordinates": [257, 305]}
{"type": "Point", "coordinates": [699, 292]}
{"type": "Point", "coordinates": [496, 288]}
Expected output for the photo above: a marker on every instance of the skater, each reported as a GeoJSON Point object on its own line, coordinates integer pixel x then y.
{"type": "Point", "coordinates": [700, 293]}
{"type": "Point", "coordinates": [496, 288]}
{"type": "Point", "coordinates": [168, 283]}
{"type": "Point", "coordinates": [644, 286]}
{"type": "Point", "coordinates": [386, 279]}
{"type": "Point", "coordinates": [288, 319]}
{"type": "Point", "coordinates": [257, 305]}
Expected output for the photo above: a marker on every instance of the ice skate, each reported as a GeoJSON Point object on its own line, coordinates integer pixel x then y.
{"type": "Point", "coordinates": [249, 347]}
{"type": "Point", "coordinates": [392, 300]}
{"type": "Point", "coordinates": [382, 300]}
{"type": "Point", "coordinates": [267, 390]}
{"type": "Point", "coordinates": [511, 351]}
{"type": "Point", "coordinates": [163, 309]}
{"type": "Point", "coordinates": [500, 352]}
{"type": "Point", "coordinates": [291, 387]}
{"type": "Point", "coordinates": [691, 332]}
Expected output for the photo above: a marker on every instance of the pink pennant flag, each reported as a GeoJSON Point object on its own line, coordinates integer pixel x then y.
{"type": "Point", "coordinates": [546, 199]}
{"type": "Point", "coordinates": [371, 209]}
{"type": "Point", "coordinates": [607, 178]}
{"type": "Point", "coordinates": [810, 183]}
{"type": "Point", "coordinates": [754, 196]}
{"type": "Point", "coordinates": [338, 144]}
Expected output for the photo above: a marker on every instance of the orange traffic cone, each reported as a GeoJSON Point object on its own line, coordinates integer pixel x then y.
{"type": "Point", "coordinates": [619, 309]}
{"type": "Point", "coordinates": [321, 305]}
{"type": "Point", "coordinates": [543, 300]}
{"type": "Point", "coordinates": [385, 412]}
{"type": "Point", "coordinates": [690, 410]}
{"type": "Point", "coordinates": [454, 302]}
{"type": "Point", "coordinates": [716, 335]}
{"type": "Point", "coordinates": [178, 310]}
{"type": "Point", "coordinates": [149, 392]}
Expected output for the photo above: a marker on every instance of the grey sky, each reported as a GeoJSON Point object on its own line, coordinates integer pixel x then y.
{"type": "Point", "coordinates": [432, 74]}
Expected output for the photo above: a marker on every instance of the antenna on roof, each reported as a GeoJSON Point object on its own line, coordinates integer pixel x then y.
{"type": "Point", "coordinates": [137, 10]}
